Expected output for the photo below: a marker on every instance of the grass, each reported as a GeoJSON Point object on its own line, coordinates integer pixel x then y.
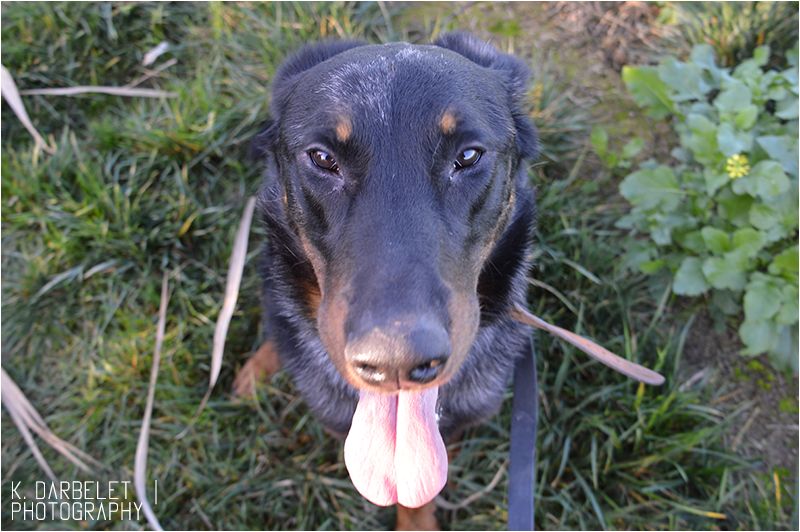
{"type": "Point", "coordinates": [137, 187]}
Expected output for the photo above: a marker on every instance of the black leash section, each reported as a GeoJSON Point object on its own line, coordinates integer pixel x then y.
{"type": "Point", "coordinates": [522, 470]}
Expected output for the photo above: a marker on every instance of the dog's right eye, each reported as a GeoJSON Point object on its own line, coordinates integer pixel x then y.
{"type": "Point", "coordinates": [324, 160]}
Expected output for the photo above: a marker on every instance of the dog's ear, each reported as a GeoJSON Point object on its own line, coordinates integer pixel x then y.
{"type": "Point", "coordinates": [262, 142]}
{"type": "Point", "coordinates": [516, 81]}
{"type": "Point", "coordinates": [306, 58]}
{"type": "Point", "coordinates": [285, 80]}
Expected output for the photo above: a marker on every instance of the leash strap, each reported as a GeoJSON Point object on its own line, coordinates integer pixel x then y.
{"type": "Point", "coordinates": [522, 470]}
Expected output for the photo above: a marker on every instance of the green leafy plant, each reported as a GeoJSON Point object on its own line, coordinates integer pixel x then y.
{"type": "Point", "coordinates": [722, 218]}
{"type": "Point", "coordinates": [608, 156]}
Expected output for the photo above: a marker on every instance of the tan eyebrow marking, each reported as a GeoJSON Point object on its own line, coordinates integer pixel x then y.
{"type": "Point", "coordinates": [448, 122]}
{"type": "Point", "coordinates": [343, 129]}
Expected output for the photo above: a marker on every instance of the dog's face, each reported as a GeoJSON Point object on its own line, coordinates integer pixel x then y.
{"type": "Point", "coordinates": [395, 172]}
{"type": "Point", "coordinates": [397, 165]}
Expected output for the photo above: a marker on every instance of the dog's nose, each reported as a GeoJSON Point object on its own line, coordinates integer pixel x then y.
{"type": "Point", "coordinates": [397, 356]}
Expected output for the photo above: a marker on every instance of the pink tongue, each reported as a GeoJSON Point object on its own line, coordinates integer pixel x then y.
{"type": "Point", "coordinates": [394, 451]}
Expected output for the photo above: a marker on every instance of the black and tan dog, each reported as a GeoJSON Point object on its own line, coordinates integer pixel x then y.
{"type": "Point", "coordinates": [399, 217]}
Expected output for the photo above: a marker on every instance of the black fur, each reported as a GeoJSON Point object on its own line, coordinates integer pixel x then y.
{"type": "Point", "coordinates": [397, 231]}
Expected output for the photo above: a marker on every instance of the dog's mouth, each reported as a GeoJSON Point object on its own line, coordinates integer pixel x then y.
{"type": "Point", "coordinates": [394, 451]}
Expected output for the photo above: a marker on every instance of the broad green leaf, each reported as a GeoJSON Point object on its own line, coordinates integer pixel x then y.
{"type": "Point", "coordinates": [783, 149]}
{"type": "Point", "coordinates": [785, 262]}
{"type": "Point", "coordinates": [775, 233]}
{"type": "Point", "coordinates": [766, 179]}
{"type": "Point", "coordinates": [739, 259]}
{"type": "Point", "coordinates": [693, 241]}
{"type": "Point", "coordinates": [702, 108]}
{"type": "Point", "coordinates": [701, 125]}
{"type": "Point", "coordinates": [632, 148]}
{"type": "Point", "coordinates": [703, 140]}
{"type": "Point", "coordinates": [661, 226]}
{"type": "Point", "coordinates": [788, 314]}
{"type": "Point", "coordinates": [689, 279]}
{"type": "Point", "coordinates": [681, 155]}
{"type": "Point", "coordinates": [685, 78]}
{"type": "Point", "coordinates": [726, 301]}
{"type": "Point", "coordinates": [735, 98]}
{"type": "Point", "coordinates": [748, 242]}
{"type": "Point", "coordinates": [746, 118]}
{"type": "Point", "coordinates": [638, 252]}
{"type": "Point", "coordinates": [784, 354]}
{"type": "Point", "coordinates": [716, 240]}
{"type": "Point", "coordinates": [731, 141]}
{"type": "Point", "coordinates": [661, 234]}
{"type": "Point", "coordinates": [714, 180]}
{"type": "Point", "coordinates": [772, 180]}
{"type": "Point", "coordinates": [763, 216]}
{"type": "Point", "coordinates": [786, 204]}
{"type": "Point", "coordinates": [651, 188]}
{"type": "Point", "coordinates": [691, 180]}
{"type": "Point", "coordinates": [722, 273]}
{"type": "Point", "coordinates": [792, 56]}
{"type": "Point", "coordinates": [749, 72]}
{"type": "Point", "coordinates": [651, 267]}
{"type": "Point", "coordinates": [734, 208]}
{"type": "Point", "coordinates": [791, 76]}
{"type": "Point", "coordinates": [773, 87]}
{"type": "Point", "coordinates": [636, 219]}
{"type": "Point", "coordinates": [762, 299]}
{"type": "Point", "coordinates": [758, 336]}
{"type": "Point", "coordinates": [676, 220]}
{"type": "Point", "coordinates": [648, 91]}
{"type": "Point", "coordinates": [761, 55]}
{"type": "Point", "coordinates": [787, 108]}
{"type": "Point", "coordinates": [703, 56]}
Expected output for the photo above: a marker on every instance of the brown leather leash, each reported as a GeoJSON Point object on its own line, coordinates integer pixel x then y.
{"type": "Point", "coordinates": [524, 413]}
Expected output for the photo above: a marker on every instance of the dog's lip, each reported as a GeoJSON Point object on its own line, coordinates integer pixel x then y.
{"type": "Point", "coordinates": [402, 387]}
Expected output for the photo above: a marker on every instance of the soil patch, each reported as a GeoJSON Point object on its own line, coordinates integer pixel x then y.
{"type": "Point", "coordinates": [768, 429]}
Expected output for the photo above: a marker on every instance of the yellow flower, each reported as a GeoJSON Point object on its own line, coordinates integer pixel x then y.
{"type": "Point", "coordinates": [737, 166]}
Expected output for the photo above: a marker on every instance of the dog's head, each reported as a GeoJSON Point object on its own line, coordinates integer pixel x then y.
{"type": "Point", "coordinates": [397, 168]}
{"type": "Point", "coordinates": [399, 209]}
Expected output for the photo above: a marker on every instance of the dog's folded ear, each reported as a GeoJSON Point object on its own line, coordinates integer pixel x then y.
{"type": "Point", "coordinates": [516, 74]}
{"type": "Point", "coordinates": [285, 80]}
{"type": "Point", "coordinates": [310, 56]}
{"type": "Point", "coordinates": [262, 142]}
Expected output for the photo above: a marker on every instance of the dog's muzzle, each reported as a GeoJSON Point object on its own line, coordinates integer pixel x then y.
{"type": "Point", "coordinates": [397, 354]}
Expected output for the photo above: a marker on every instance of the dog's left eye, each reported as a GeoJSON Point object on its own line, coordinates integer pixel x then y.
{"type": "Point", "coordinates": [467, 158]}
{"type": "Point", "coordinates": [324, 160]}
